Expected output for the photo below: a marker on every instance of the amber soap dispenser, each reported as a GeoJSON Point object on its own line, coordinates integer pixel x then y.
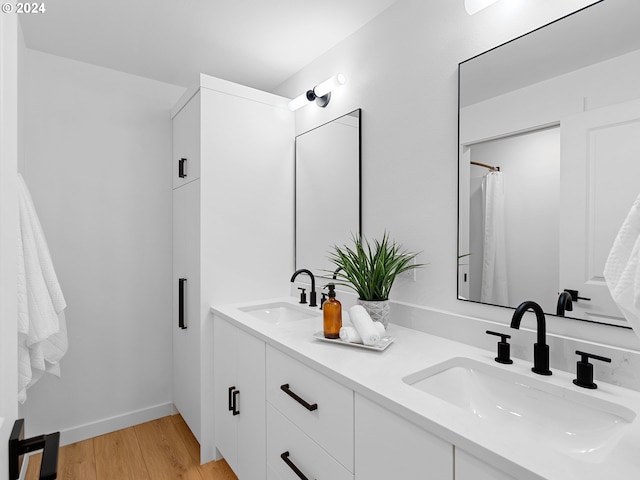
{"type": "Point", "coordinates": [332, 313]}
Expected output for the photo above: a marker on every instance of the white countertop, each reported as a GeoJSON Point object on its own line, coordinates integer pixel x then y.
{"type": "Point", "coordinates": [378, 376]}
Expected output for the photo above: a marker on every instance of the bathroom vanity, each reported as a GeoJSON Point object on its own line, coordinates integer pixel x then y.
{"type": "Point", "coordinates": [420, 409]}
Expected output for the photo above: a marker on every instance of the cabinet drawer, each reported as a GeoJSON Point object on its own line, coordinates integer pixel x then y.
{"type": "Point", "coordinates": [330, 423]}
{"type": "Point", "coordinates": [303, 453]}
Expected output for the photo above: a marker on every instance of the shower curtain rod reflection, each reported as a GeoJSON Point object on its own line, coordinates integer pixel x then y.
{"type": "Point", "coordinates": [490, 167]}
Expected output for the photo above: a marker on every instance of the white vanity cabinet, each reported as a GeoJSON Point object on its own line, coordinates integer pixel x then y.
{"type": "Point", "coordinates": [388, 446]}
{"type": "Point", "coordinates": [239, 360]}
{"type": "Point", "coordinates": [232, 207]}
{"type": "Point", "coordinates": [309, 421]}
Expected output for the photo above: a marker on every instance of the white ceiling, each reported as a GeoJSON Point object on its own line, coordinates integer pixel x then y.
{"type": "Point", "coordinates": [259, 43]}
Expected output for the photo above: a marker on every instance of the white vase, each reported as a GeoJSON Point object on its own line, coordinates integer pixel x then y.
{"type": "Point", "coordinates": [378, 310]}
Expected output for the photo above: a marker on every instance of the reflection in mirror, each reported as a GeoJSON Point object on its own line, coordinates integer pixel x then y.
{"type": "Point", "coordinates": [327, 190]}
{"type": "Point", "coordinates": [558, 111]}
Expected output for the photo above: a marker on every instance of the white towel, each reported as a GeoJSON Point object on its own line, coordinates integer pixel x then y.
{"type": "Point", "coordinates": [42, 335]}
{"type": "Point", "coordinates": [622, 270]}
{"type": "Point", "coordinates": [349, 334]}
{"type": "Point", "coordinates": [364, 325]}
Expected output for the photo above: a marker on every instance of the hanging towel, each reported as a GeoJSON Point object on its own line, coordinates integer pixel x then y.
{"type": "Point", "coordinates": [622, 270]}
{"type": "Point", "coordinates": [494, 287]}
{"type": "Point", "coordinates": [42, 334]}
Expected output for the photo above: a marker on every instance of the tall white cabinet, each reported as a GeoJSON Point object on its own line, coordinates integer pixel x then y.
{"type": "Point", "coordinates": [232, 225]}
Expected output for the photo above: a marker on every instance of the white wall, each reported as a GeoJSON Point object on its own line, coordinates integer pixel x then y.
{"type": "Point", "coordinates": [8, 230]}
{"type": "Point", "coordinates": [402, 72]}
{"type": "Point", "coordinates": [97, 149]}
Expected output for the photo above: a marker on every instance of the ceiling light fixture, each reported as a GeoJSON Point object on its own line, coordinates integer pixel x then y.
{"type": "Point", "coordinates": [474, 6]}
{"type": "Point", "coordinates": [321, 93]}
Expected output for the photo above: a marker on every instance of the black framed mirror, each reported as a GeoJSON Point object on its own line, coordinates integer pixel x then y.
{"type": "Point", "coordinates": [328, 200]}
{"type": "Point", "coordinates": [548, 165]}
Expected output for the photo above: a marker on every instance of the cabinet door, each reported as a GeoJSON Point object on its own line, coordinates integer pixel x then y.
{"type": "Point", "coordinates": [186, 143]}
{"type": "Point", "coordinates": [388, 446]}
{"type": "Point", "coordinates": [469, 467]}
{"type": "Point", "coordinates": [250, 359]}
{"type": "Point", "coordinates": [186, 341]}
{"type": "Point", "coordinates": [225, 345]}
{"type": "Point", "coordinates": [239, 366]}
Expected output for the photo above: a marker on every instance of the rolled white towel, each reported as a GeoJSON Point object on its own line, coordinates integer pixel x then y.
{"type": "Point", "coordinates": [350, 334]}
{"type": "Point", "coordinates": [364, 325]}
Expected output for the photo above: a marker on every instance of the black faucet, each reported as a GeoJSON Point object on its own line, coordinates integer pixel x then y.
{"type": "Point", "coordinates": [312, 294]}
{"type": "Point", "coordinates": [564, 303]}
{"type": "Point", "coordinates": [540, 348]}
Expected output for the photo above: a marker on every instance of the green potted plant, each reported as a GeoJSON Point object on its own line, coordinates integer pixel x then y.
{"type": "Point", "coordinates": [370, 270]}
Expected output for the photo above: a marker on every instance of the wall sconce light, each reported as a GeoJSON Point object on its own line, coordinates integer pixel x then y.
{"type": "Point", "coordinates": [474, 6]}
{"type": "Point", "coordinates": [321, 93]}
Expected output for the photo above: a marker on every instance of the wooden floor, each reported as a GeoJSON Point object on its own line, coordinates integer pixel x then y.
{"type": "Point", "coordinates": [157, 450]}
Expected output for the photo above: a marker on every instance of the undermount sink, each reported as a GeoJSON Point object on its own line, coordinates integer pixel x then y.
{"type": "Point", "coordinates": [280, 312]}
{"type": "Point", "coordinates": [564, 419]}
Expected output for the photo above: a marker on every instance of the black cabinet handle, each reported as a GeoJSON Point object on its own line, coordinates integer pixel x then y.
{"type": "Point", "coordinates": [231, 389]}
{"type": "Point", "coordinates": [181, 172]}
{"type": "Point", "coordinates": [285, 457]}
{"type": "Point", "coordinates": [181, 283]}
{"type": "Point", "coordinates": [235, 410]}
{"type": "Point", "coordinates": [308, 406]}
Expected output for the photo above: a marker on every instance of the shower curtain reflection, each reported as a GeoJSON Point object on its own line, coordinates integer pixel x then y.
{"type": "Point", "coordinates": [494, 288]}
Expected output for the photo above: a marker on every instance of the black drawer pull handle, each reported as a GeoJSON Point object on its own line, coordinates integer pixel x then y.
{"type": "Point", "coordinates": [236, 410]}
{"type": "Point", "coordinates": [285, 457]}
{"type": "Point", "coordinates": [308, 406]}
{"type": "Point", "coordinates": [181, 283]}
{"type": "Point", "coordinates": [181, 172]}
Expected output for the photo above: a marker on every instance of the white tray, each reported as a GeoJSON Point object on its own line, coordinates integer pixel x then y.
{"type": "Point", "coordinates": [380, 346]}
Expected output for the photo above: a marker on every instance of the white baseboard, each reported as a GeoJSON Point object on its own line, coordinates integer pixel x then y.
{"type": "Point", "coordinates": [108, 425]}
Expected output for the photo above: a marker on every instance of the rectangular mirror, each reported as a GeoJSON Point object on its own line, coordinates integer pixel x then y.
{"type": "Point", "coordinates": [549, 162]}
{"type": "Point", "coordinates": [328, 199]}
